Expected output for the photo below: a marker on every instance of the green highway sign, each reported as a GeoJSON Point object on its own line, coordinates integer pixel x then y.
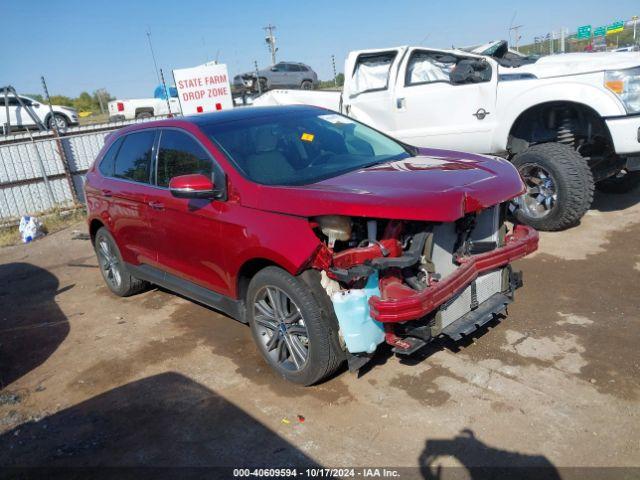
{"type": "Point", "coordinates": [615, 27]}
{"type": "Point", "coordinates": [600, 32]}
{"type": "Point", "coordinates": [584, 31]}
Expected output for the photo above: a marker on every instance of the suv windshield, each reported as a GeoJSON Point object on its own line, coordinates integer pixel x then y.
{"type": "Point", "coordinates": [303, 147]}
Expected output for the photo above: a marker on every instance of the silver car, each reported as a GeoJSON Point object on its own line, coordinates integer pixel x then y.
{"type": "Point", "coordinates": [280, 75]}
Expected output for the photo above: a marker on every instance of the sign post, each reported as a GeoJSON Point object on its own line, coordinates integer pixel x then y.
{"type": "Point", "coordinates": [203, 89]}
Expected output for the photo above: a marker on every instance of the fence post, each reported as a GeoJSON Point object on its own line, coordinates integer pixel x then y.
{"type": "Point", "coordinates": [60, 147]}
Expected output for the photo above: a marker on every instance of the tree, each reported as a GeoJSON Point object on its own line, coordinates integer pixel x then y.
{"type": "Point", "coordinates": [84, 103]}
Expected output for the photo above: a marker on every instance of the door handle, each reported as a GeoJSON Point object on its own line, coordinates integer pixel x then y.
{"type": "Point", "coordinates": [401, 103]}
{"type": "Point", "coordinates": [156, 205]}
{"type": "Point", "coordinates": [107, 193]}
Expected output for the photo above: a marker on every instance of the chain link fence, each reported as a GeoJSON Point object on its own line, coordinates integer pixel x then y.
{"type": "Point", "coordinates": [39, 172]}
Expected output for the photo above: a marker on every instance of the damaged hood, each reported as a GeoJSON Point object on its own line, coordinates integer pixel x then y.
{"type": "Point", "coordinates": [577, 63]}
{"type": "Point", "coordinates": [436, 185]}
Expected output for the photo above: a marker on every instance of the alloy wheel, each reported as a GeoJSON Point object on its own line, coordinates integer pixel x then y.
{"type": "Point", "coordinates": [542, 194]}
{"type": "Point", "coordinates": [281, 328]}
{"type": "Point", "coordinates": [109, 264]}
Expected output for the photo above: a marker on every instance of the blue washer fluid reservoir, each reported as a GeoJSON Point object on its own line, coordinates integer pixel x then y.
{"type": "Point", "coordinates": [361, 332]}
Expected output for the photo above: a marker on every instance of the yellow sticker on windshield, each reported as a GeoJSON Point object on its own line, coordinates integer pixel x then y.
{"type": "Point", "coordinates": [307, 137]}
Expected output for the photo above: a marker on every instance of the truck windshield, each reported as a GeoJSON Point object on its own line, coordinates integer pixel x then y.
{"type": "Point", "coordinates": [302, 147]}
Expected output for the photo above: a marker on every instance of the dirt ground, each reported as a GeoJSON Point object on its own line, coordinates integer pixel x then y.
{"type": "Point", "coordinates": [90, 379]}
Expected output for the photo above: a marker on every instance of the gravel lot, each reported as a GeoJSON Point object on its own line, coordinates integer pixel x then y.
{"type": "Point", "coordinates": [92, 379]}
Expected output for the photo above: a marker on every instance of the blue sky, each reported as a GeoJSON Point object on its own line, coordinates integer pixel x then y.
{"type": "Point", "coordinates": [85, 45]}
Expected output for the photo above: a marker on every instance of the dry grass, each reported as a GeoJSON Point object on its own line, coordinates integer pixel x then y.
{"type": "Point", "coordinates": [53, 222]}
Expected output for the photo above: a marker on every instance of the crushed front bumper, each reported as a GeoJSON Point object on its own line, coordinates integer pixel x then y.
{"type": "Point", "coordinates": [396, 305]}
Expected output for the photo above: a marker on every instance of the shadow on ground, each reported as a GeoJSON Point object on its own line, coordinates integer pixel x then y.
{"type": "Point", "coordinates": [604, 202]}
{"type": "Point", "coordinates": [165, 420]}
{"type": "Point", "coordinates": [32, 326]}
{"type": "Point", "coordinates": [479, 461]}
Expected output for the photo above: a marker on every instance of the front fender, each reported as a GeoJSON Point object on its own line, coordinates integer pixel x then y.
{"type": "Point", "coordinates": [513, 104]}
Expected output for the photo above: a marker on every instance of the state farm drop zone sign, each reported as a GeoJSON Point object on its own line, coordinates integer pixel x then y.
{"type": "Point", "coordinates": [203, 89]}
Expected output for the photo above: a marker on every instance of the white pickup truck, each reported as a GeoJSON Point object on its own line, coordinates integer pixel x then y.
{"type": "Point", "coordinates": [142, 108]}
{"type": "Point", "coordinates": [568, 122]}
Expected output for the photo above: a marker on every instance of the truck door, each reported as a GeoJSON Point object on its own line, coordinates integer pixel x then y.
{"type": "Point", "coordinates": [446, 100]}
{"type": "Point", "coordinates": [368, 93]}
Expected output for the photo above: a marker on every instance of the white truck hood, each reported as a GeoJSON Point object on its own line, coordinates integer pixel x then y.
{"type": "Point", "coordinates": [577, 63]}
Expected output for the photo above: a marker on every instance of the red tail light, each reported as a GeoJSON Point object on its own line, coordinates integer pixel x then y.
{"type": "Point", "coordinates": [120, 107]}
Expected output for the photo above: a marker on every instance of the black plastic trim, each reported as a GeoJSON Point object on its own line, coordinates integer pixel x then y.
{"type": "Point", "coordinates": [227, 305]}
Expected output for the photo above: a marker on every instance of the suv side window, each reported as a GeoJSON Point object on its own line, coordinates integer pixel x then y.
{"type": "Point", "coordinates": [108, 160]}
{"type": "Point", "coordinates": [372, 72]}
{"type": "Point", "coordinates": [133, 161]}
{"type": "Point", "coordinates": [279, 67]}
{"type": "Point", "coordinates": [293, 68]}
{"type": "Point", "coordinates": [179, 154]}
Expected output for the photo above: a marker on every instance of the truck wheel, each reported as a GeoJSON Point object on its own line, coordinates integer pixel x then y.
{"type": "Point", "coordinates": [287, 324]}
{"type": "Point", "coordinates": [114, 272]}
{"type": "Point", "coordinates": [306, 85]}
{"type": "Point", "coordinates": [559, 186]}
{"type": "Point", "coordinates": [623, 182]}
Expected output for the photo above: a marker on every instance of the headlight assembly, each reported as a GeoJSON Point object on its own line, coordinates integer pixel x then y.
{"type": "Point", "coordinates": [626, 85]}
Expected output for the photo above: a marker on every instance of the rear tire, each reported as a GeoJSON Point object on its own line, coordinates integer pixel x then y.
{"type": "Point", "coordinates": [623, 182]}
{"type": "Point", "coordinates": [296, 321]}
{"type": "Point", "coordinates": [559, 186]}
{"type": "Point", "coordinates": [113, 269]}
{"type": "Point", "coordinates": [306, 85]}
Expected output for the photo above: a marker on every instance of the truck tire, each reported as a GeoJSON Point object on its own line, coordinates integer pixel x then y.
{"type": "Point", "coordinates": [559, 186]}
{"type": "Point", "coordinates": [623, 182]}
{"type": "Point", "coordinates": [295, 338]}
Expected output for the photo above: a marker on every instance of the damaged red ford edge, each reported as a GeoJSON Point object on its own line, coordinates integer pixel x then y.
{"type": "Point", "coordinates": [326, 236]}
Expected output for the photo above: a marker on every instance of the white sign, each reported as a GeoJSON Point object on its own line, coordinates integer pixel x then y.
{"type": "Point", "coordinates": [203, 89]}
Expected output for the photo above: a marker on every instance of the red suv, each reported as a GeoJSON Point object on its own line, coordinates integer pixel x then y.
{"type": "Point", "coordinates": [327, 237]}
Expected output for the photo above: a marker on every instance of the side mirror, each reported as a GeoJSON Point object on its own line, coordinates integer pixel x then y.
{"type": "Point", "coordinates": [35, 105]}
{"type": "Point", "coordinates": [192, 186]}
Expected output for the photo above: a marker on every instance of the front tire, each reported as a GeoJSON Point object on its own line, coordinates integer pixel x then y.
{"type": "Point", "coordinates": [559, 186]}
{"type": "Point", "coordinates": [288, 326]}
{"type": "Point", "coordinates": [113, 269]}
{"type": "Point", "coordinates": [623, 182]}
{"type": "Point", "coordinates": [58, 121]}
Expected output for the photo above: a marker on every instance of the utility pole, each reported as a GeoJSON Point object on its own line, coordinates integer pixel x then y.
{"type": "Point", "coordinates": [335, 75]}
{"type": "Point", "coordinates": [516, 29]}
{"type": "Point", "coordinates": [552, 37]}
{"type": "Point", "coordinates": [562, 34]}
{"type": "Point", "coordinates": [635, 21]}
{"type": "Point", "coordinates": [271, 42]}
{"type": "Point", "coordinates": [153, 55]}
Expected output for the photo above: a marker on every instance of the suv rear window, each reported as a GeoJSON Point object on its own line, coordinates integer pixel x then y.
{"type": "Point", "coordinates": [134, 158]}
{"type": "Point", "coordinates": [108, 161]}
